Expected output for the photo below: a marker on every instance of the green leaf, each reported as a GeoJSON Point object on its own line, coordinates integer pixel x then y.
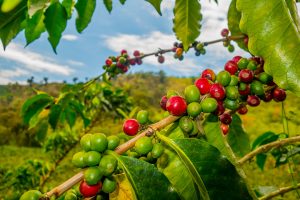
{"type": "Point", "coordinates": [122, 1]}
{"type": "Point", "coordinates": [69, 5]}
{"type": "Point", "coordinates": [188, 164]}
{"type": "Point", "coordinates": [187, 19]}
{"type": "Point", "coordinates": [35, 26]}
{"type": "Point", "coordinates": [147, 182]}
{"type": "Point", "coordinates": [179, 176]}
{"type": "Point", "coordinates": [9, 5]}
{"type": "Point", "coordinates": [261, 160]}
{"type": "Point", "coordinates": [214, 134]}
{"type": "Point", "coordinates": [35, 5]}
{"type": "Point", "coordinates": [218, 174]}
{"type": "Point", "coordinates": [34, 106]}
{"type": "Point", "coordinates": [85, 10]}
{"type": "Point", "coordinates": [233, 19]}
{"type": "Point", "coordinates": [156, 4]}
{"type": "Point", "coordinates": [237, 138]}
{"type": "Point", "coordinates": [273, 35]}
{"type": "Point", "coordinates": [55, 22]}
{"type": "Point", "coordinates": [108, 5]}
{"type": "Point", "coordinates": [294, 12]}
{"type": "Point", "coordinates": [54, 115]}
{"type": "Point", "coordinates": [264, 138]}
{"type": "Point", "coordinates": [79, 109]}
{"type": "Point", "coordinates": [70, 115]}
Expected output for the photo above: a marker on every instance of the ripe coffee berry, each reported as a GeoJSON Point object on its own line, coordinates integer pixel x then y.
{"type": "Point", "coordinates": [243, 110]}
{"type": "Point", "coordinates": [244, 89]}
{"type": "Point", "coordinates": [224, 32]}
{"type": "Point", "coordinates": [131, 127]}
{"type": "Point", "coordinates": [236, 59]}
{"type": "Point", "coordinates": [203, 85]}
{"type": "Point", "coordinates": [176, 106]}
{"type": "Point", "coordinates": [279, 95]}
{"type": "Point", "coordinates": [123, 52]}
{"type": "Point", "coordinates": [246, 75]}
{"type": "Point", "coordinates": [267, 97]}
{"type": "Point", "coordinates": [231, 67]}
{"type": "Point", "coordinates": [225, 118]}
{"type": "Point", "coordinates": [217, 91]}
{"type": "Point", "coordinates": [136, 53]}
{"type": "Point", "coordinates": [209, 74]}
{"type": "Point", "coordinates": [253, 100]}
{"type": "Point", "coordinates": [89, 190]}
{"type": "Point", "coordinates": [225, 129]}
{"type": "Point", "coordinates": [220, 108]}
{"type": "Point", "coordinates": [163, 102]}
{"type": "Point", "coordinates": [161, 59]}
{"type": "Point", "coordinates": [108, 62]}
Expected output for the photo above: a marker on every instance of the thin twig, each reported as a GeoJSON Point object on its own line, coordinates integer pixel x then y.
{"type": "Point", "coordinates": [280, 191]}
{"type": "Point", "coordinates": [267, 147]}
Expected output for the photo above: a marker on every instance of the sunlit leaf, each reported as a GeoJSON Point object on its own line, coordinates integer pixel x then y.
{"type": "Point", "coordinates": [156, 4]}
{"type": "Point", "coordinates": [108, 5]}
{"type": "Point", "coordinates": [85, 10]}
{"type": "Point", "coordinates": [35, 27]}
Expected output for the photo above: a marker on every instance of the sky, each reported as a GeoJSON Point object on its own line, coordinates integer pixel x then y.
{"type": "Point", "coordinates": [133, 26]}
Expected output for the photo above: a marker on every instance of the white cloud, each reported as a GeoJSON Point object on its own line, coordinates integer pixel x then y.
{"type": "Point", "coordinates": [77, 63]}
{"type": "Point", "coordinates": [70, 37]}
{"type": "Point", "coordinates": [32, 61]}
{"type": "Point", "coordinates": [13, 73]}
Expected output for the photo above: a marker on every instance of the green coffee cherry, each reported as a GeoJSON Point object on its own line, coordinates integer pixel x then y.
{"type": "Point", "coordinates": [224, 78]}
{"type": "Point", "coordinates": [232, 92]}
{"type": "Point", "coordinates": [112, 142]}
{"type": "Point", "coordinates": [78, 159]}
{"type": "Point", "coordinates": [109, 185]}
{"type": "Point", "coordinates": [157, 150]}
{"type": "Point", "coordinates": [93, 175]}
{"type": "Point", "coordinates": [143, 145]}
{"type": "Point", "coordinates": [108, 164]}
{"type": "Point", "coordinates": [85, 142]}
{"type": "Point", "coordinates": [192, 94]}
{"type": "Point", "coordinates": [186, 124]}
{"type": "Point", "coordinates": [98, 142]}
{"type": "Point", "coordinates": [194, 109]}
{"type": "Point", "coordinates": [143, 116]}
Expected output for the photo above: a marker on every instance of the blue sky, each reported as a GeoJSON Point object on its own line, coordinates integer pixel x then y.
{"type": "Point", "coordinates": [135, 25]}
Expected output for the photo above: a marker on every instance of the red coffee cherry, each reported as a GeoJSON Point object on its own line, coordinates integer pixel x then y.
{"type": "Point", "coordinates": [236, 59]}
{"type": "Point", "coordinates": [163, 102]}
{"type": "Point", "coordinates": [253, 100]}
{"type": "Point", "coordinates": [217, 91]}
{"type": "Point", "coordinates": [231, 67]}
{"type": "Point", "coordinates": [131, 127]}
{"type": "Point", "coordinates": [246, 75]}
{"type": "Point", "coordinates": [203, 85]}
{"type": "Point", "coordinates": [279, 95]}
{"type": "Point", "coordinates": [176, 105]}
{"type": "Point", "coordinates": [89, 190]}
{"type": "Point", "coordinates": [209, 74]}
{"type": "Point", "coordinates": [225, 129]}
{"type": "Point", "coordinates": [243, 110]}
{"type": "Point", "coordinates": [225, 118]}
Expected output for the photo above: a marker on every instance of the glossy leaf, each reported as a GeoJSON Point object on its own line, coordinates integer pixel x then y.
{"type": "Point", "coordinates": [147, 182]}
{"type": "Point", "coordinates": [54, 115]}
{"type": "Point", "coordinates": [187, 19]}
{"type": "Point", "coordinates": [264, 138]}
{"type": "Point", "coordinates": [273, 35]}
{"type": "Point", "coordinates": [188, 163]}
{"type": "Point", "coordinates": [55, 22]}
{"type": "Point", "coordinates": [124, 190]}
{"type": "Point", "coordinates": [35, 5]}
{"type": "Point", "coordinates": [122, 1]}
{"type": "Point", "coordinates": [218, 174]}
{"type": "Point", "coordinates": [34, 106]}
{"type": "Point", "coordinates": [35, 26]}
{"type": "Point", "coordinates": [70, 116]}
{"type": "Point", "coordinates": [9, 5]}
{"type": "Point", "coordinates": [233, 19]}
{"type": "Point", "coordinates": [180, 178]}
{"type": "Point", "coordinates": [85, 10]}
{"type": "Point", "coordinates": [237, 138]}
{"type": "Point", "coordinates": [108, 5]}
{"type": "Point", "coordinates": [261, 160]}
{"type": "Point", "coordinates": [156, 4]}
{"type": "Point", "coordinates": [294, 12]}
{"type": "Point", "coordinates": [69, 5]}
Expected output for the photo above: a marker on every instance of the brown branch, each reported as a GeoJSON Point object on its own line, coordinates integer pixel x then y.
{"type": "Point", "coordinates": [57, 191]}
{"type": "Point", "coordinates": [267, 147]}
{"type": "Point", "coordinates": [280, 191]}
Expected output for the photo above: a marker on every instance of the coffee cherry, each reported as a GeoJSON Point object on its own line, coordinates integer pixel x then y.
{"type": "Point", "coordinates": [171, 93]}
{"type": "Point", "coordinates": [226, 43]}
{"type": "Point", "coordinates": [89, 190]}
{"type": "Point", "coordinates": [108, 164]}
{"type": "Point", "coordinates": [231, 67]}
{"type": "Point", "coordinates": [230, 48]}
{"type": "Point", "coordinates": [161, 59]}
{"type": "Point", "coordinates": [253, 100]}
{"type": "Point", "coordinates": [78, 159]}
{"type": "Point", "coordinates": [142, 116]}
{"type": "Point", "coordinates": [186, 124]}
{"type": "Point", "coordinates": [225, 118]}
{"type": "Point", "coordinates": [244, 89]}
{"type": "Point", "coordinates": [31, 195]}
{"type": "Point", "coordinates": [112, 142]}
{"type": "Point", "coordinates": [143, 145]}
{"type": "Point", "coordinates": [92, 175]}
{"type": "Point", "coordinates": [191, 94]}
{"type": "Point", "coordinates": [246, 75]}
{"type": "Point", "coordinates": [209, 105]}
{"type": "Point", "coordinates": [225, 32]}
{"type": "Point", "coordinates": [92, 158]}
{"type": "Point", "coordinates": [223, 78]}
{"type": "Point", "coordinates": [163, 102]}
{"type": "Point", "coordinates": [234, 80]}
{"type": "Point", "coordinates": [179, 52]}
{"type": "Point", "coordinates": [243, 110]}
{"type": "Point", "coordinates": [231, 104]}
{"type": "Point", "coordinates": [98, 142]}
{"type": "Point", "coordinates": [136, 53]}
{"type": "Point", "coordinates": [257, 88]}
{"type": "Point", "coordinates": [243, 63]}
{"type": "Point", "coordinates": [70, 196]}
{"type": "Point", "coordinates": [194, 109]}
{"type": "Point", "coordinates": [232, 92]}
{"type": "Point", "coordinates": [209, 74]}
{"type": "Point", "coordinates": [236, 59]}
{"type": "Point", "coordinates": [176, 106]}
{"type": "Point", "coordinates": [252, 65]}
{"type": "Point", "coordinates": [131, 127]}
{"type": "Point", "coordinates": [132, 62]}
{"type": "Point", "coordinates": [122, 60]}
{"type": "Point", "coordinates": [195, 129]}
{"type": "Point", "coordinates": [265, 78]}
{"type": "Point", "coordinates": [157, 150]}
{"type": "Point", "coordinates": [123, 52]}
{"type": "Point", "coordinates": [85, 142]}
{"type": "Point", "coordinates": [267, 97]}
{"type": "Point", "coordinates": [279, 95]}
{"type": "Point", "coordinates": [203, 85]}
{"type": "Point", "coordinates": [217, 91]}
{"type": "Point", "coordinates": [220, 108]}
{"type": "Point", "coordinates": [108, 62]}
{"type": "Point", "coordinates": [224, 128]}
{"type": "Point", "coordinates": [109, 185]}
{"type": "Point", "coordinates": [199, 46]}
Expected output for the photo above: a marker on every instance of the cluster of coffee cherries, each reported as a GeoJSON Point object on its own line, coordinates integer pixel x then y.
{"type": "Point", "coordinates": [227, 43]}
{"type": "Point", "coordinates": [99, 166]}
{"type": "Point", "coordinates": [242, 83]}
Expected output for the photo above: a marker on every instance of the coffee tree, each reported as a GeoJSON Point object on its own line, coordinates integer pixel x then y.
{"type": "Point", "coordinates": [198, 151]}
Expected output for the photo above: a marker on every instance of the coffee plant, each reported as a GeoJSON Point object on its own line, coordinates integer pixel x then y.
{"type": "Point", "coordinates": [199, 149]}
